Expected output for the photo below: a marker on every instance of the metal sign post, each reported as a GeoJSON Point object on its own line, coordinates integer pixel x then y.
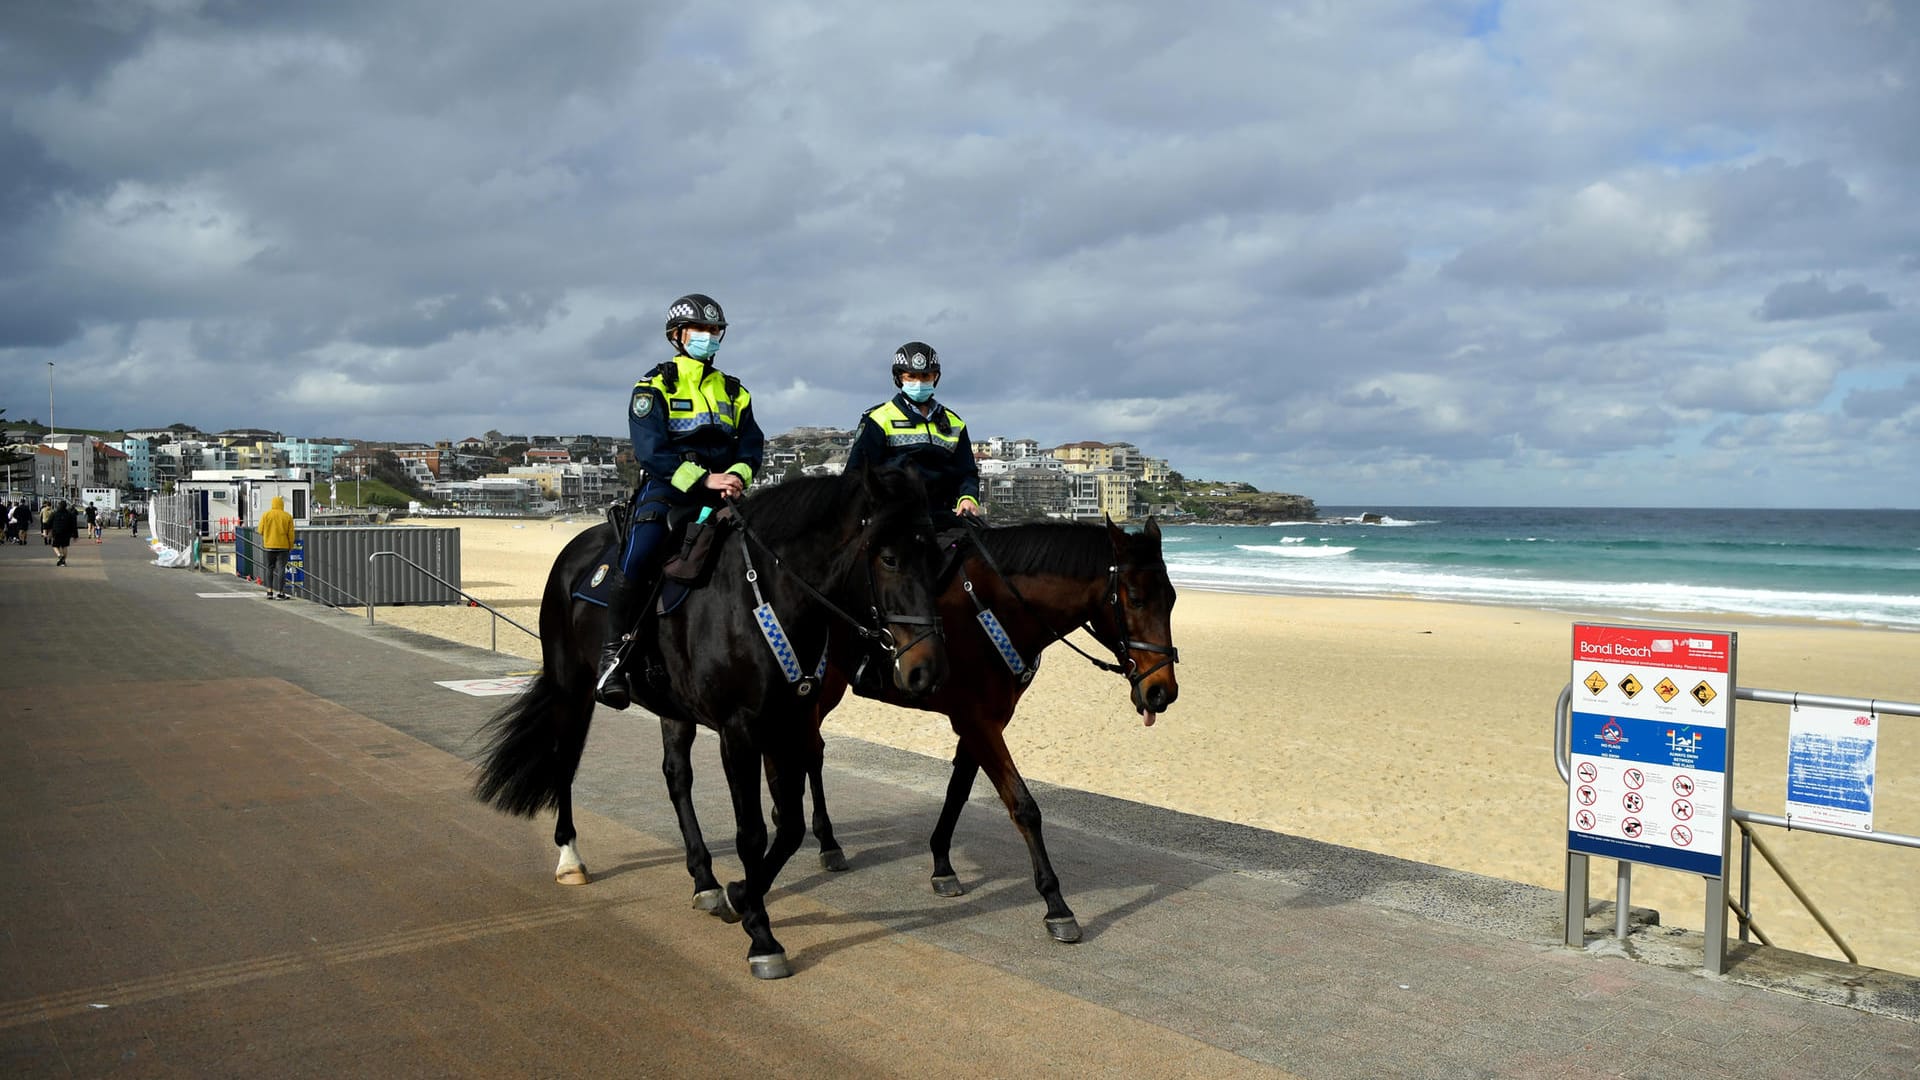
{"type": "Point", "coordinates": [1652, 755]}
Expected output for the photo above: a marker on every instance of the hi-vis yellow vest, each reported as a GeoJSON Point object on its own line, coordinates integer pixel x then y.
{"type": "Point", "coordinates": [905, 431]}
{"type": "Point", "coordinates": [693, 403]}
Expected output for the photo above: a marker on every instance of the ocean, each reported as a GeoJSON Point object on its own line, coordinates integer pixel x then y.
{"type": "Point", "coordinates": [1859, 566]}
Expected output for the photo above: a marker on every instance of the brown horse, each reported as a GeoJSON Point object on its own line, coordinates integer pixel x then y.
{"type": "Point", "coordinates": [1036, 583]}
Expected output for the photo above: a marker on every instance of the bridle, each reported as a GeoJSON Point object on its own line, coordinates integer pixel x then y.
{"type": "Point", "coordinates": [1116, 595]}
{"type": "Point", "coordinates": [874, 632]}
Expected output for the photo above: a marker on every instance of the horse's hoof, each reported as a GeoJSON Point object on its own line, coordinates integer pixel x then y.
{"type": "Point", "coordinates": [573, 875]}
{"type": "Point", "coordinates": [947, 885]}
{"type": "Point", "coordinates": [770, 966]}
{"type": "Point", "coordinates": [1064, 928]}
{"type": "Point", "coordinates": [710, 900]}
{"type": "Point", "coordinates": [727, 912]}
{"type": "Point", "coordinates": [835, 860]}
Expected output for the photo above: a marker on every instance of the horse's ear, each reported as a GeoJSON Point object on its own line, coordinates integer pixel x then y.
{"type": "Point", "coordinates": [1153, 527]}
{"type": "Point", "coordinates": [1115, 532]}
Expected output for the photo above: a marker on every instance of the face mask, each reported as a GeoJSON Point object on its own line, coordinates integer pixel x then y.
{"type": "Point", "coordinates": [701, 344]}
{"type": "Point", "coordinates": [918, 393]}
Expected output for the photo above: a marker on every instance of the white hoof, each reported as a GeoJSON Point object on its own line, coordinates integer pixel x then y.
{"type": "Point", "coordinates": [571, 870]}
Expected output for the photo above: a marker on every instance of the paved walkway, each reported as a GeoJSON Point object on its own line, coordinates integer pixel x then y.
{"type": "Point", "coordinates": [238, 840]}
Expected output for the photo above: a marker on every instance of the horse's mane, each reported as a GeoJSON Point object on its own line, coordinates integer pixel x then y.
{"type": "Point", "coordinates": [1066, 549]}
{"type": "Point", "coordinates": [810, 505]}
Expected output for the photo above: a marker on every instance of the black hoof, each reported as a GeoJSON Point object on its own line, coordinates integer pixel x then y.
{"type": "Point", "coordinates": [835, 860]}
{"type": "Point", "coordinates": [709, 900]}
{"type": "Point", "coordinates": [947, 885]}
{"type": "Point", "coordinates": [770, 966]}
{"type": "Point", "coordinates": [1064, 929]}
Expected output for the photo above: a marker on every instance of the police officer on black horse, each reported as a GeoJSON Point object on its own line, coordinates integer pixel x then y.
{"type": "Point", "coordinates": [697, 444]}
{"type": "Point", "coordinates": [913, 430]}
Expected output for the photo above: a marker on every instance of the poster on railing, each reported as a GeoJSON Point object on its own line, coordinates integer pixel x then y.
{"type": "Point", "coordinates": [1830, 760]}
{"type": "Point", "coordinates": [1651, 729]}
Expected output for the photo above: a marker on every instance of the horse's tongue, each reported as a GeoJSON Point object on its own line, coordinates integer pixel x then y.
{"type": "Point", "coordinates": [1149, 717]}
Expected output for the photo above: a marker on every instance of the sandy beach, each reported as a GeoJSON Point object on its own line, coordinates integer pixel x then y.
{"type": "Point", "coordinates": [1416, 729]}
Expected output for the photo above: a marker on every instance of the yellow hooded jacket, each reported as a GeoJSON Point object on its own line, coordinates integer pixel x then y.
{"type": "Point", "coordinates": [276, 526]}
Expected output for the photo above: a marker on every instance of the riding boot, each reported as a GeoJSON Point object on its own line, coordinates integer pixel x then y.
{"type": "Point", "coordinates": [611, 690]}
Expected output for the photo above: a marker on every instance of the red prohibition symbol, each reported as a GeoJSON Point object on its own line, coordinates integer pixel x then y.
{"type": "Point", "coordinates": [1586, 795]}
{"type": "Point", "coordinates": [1630, 828]}
{"type": "Point", "coordinates": [1584, 819]}
{"type": "Point", "coordinates": [1682, 810]}
{"type": "Point", "coordinates": [1681, 835]}
{"type": "Point", "coordinates": [1683, 785]}
{"type": "Point", "coordinates": [1634, 778]}
{"type": "Point", "coordinates": [1588, 773]}
{"type": "Point", "coordinates": [1633, 802]}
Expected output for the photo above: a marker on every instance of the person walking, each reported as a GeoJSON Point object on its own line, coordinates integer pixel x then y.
{"type": "Point", "coordinates": [276, 538]}
{"type": "Point", "coordinates": [697, 443]}
{"type": "Point", "coordinates": [63, 528]}
{"type": "Point", "coordinates": [914, 431]}
{"type": "Point", "coordinates": [46, 523]}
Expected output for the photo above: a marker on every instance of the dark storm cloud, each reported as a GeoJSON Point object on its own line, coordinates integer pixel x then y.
{"type": "Point", "coordinates": [1813, 299]}
{"type": "Point", "coordinates": [1383, 249]}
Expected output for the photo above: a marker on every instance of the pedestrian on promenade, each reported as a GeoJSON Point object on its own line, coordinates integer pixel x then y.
{"type": "Point", "coordinates": [63, 527]}
{"type": "Point", "coordinates": [93, 522]}
{"type": "Point", "coordinates": [276, 539]}
{"type": "Point", "coordinates": [10, 515]}
{"type": "Point", "coordinates": [46, 523]}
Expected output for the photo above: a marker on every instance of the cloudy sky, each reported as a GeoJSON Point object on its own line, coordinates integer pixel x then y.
{"type": "Point", "coordinates": [1539, 252]}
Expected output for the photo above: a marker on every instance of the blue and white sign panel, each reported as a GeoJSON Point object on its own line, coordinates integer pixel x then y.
{"type": "Point", "coordinates": [1830, 761]}
{"type": "Point", "coordinates": [1652, 718]}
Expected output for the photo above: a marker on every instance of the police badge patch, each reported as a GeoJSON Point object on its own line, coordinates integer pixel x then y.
{"type": "Point", "coordinates": [642, 405]}
{"type": "Point", "coordinates": [599, 576]}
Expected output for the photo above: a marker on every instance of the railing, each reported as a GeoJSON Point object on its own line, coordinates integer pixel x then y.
{"type": "Point", "coordinates": [1745, 819]}
{"type": "Point", "coordinates": [493, 627]}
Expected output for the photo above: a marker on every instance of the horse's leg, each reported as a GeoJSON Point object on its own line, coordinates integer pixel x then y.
{"type": "Point", "coordinates": [746, 899]}
{"type": "Point", "coordinates": [988, 747]}
{"type": "Point", "coordinates": [676, 742]}
{"type": "Point", "coordinates": [831, 857]}
{"type": "Point", "coordinates": [959, 787]}
{"type": "Point", "coordinates": [573, 717]}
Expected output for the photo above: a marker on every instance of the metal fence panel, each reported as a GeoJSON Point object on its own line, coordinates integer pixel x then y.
{"type": "Point", "coordinates": [341, 576]}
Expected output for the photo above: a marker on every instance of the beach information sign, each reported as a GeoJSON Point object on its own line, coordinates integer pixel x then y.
{"type": "Point", "coordinates": [1651, 746]}
{"type": "Point", "coordinates": [1830, 757]}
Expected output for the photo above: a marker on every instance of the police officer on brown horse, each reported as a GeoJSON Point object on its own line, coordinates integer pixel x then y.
{"type": "Point", "coordinates": [912, 429]}
{"type": "Point", "coordinates": [697, 444]}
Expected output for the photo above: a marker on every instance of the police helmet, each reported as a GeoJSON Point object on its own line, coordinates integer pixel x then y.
{"type": "Point", "coordinates": [915, 358]}
{"type": "Point", "coordinates": [695, 309]}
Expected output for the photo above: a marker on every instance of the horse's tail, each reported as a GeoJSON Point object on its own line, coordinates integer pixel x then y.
{"type": "Point", "coordinates": [521, 766]}
{"type": "Point", "coordinates": [532, 746]}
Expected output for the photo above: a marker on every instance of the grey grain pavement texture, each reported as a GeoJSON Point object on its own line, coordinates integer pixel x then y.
{"type": "Point", "coordinates": [238, 840]}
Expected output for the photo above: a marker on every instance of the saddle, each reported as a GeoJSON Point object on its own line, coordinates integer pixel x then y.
{"type": "Point", "coordinates": [692, 540]}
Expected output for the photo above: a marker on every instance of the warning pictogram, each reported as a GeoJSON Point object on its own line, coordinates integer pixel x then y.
{"type": "Point", "coordinates": [1634, 778]}
{"type": "Point", "coordinates": [1683, 784]}
{"type": "Point", "coordinates": [1682, 810]}
{"type": "Point", "coordinates": [1584, 819]}
{"type": "Point", "coordinates": [1596, 682]}
{"type": "Point", "coordinates": [1630, 828]}
{"type": "Point", "coordinates": [1588, 774]}
{"type": "Point", "coordinates": [1681, 835]}
{"type": "Point", "coordinates": [1586, 794]}
{"type": "Point", "coordinates": [1632, 802]}
{"type": "Point", "coordinates": [1666, 689]}
{"type": "Point", "coordinates": [1610, 732]}
{"type": "Point", "coordinates": [1630, 686]}
{"type": "Point", "coordinates": [1703, 693]}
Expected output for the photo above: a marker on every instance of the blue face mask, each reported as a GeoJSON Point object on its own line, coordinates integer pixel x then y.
{"type": "Point", "coordinates": [918, 393]}
{"type": "Point", "coordinates": [701, 344]}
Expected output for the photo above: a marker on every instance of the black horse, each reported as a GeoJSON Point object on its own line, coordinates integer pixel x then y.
{"type": "Point", "coordinates": [1039, 582]}
{"type": "Point", "coordinates": [809, 551]}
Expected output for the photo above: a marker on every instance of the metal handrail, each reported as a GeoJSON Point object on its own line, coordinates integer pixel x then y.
{"type": "Point", "coordinates": [493, 627]}
{"type": "Point", "coordinates": [1563, 761]}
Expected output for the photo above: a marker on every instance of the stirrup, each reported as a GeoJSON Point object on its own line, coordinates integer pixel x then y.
{"type": "Point", "coordinates": [612, 690]}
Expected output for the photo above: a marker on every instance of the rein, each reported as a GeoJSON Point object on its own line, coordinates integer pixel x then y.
{"type": "Point", "coordinates": [1112, 599]}
{"type": "Point", "coordinates": [875, 633]}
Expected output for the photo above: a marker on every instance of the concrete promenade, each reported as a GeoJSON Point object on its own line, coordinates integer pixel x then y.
{"type": "Point", "coordinates": [238, 840]}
